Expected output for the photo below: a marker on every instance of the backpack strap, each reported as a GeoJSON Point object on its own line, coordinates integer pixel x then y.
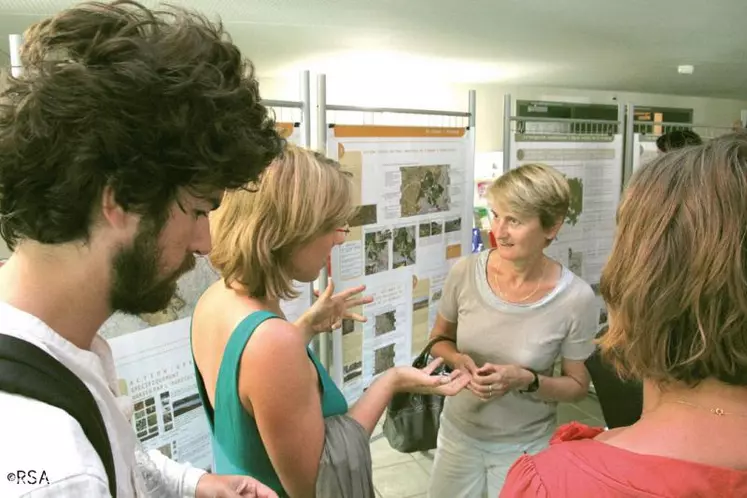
{"type": "Point", "coordinates": [29, 371]}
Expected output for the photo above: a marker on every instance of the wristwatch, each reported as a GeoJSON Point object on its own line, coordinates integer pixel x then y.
{"type": "Point", "coordinates": [535, 384]}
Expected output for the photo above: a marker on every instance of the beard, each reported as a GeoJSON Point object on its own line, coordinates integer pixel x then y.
{"type": "Point", "coordinates": [137, 285]}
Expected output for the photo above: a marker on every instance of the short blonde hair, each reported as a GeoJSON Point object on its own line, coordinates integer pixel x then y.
{"type": "Point", "coordinates": [676, 280]}
{"type": "Point", "coordinates": [533, 190]}
{"type": "Point", "coordinates": [300, 196]}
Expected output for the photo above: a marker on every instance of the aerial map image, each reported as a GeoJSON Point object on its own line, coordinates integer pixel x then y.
{"type": "Point", "coordinates": [577, 200]}
{"type": "Point", "coordinates": [424, 190]}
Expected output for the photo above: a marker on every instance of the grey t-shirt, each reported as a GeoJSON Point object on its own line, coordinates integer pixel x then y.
{"type": "Point", "coordinates": [491, 330]}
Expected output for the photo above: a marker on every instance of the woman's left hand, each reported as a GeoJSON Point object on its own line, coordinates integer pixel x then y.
{"type": "Point", "coordinates": [493, 381]}
{"type": "Point", "coordinates": [330, 309]}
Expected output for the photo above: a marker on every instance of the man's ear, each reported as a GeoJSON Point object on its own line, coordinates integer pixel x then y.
{"type": "Point", "coordinates": [113, 214]}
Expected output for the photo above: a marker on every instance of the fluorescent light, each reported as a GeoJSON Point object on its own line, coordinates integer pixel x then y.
{"type": "Point", "coordinates": [685, 69]}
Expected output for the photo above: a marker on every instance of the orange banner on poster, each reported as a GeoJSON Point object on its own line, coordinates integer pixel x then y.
{"type": "Point", "coordinates": [285, 130]}
{"type": "Point", "coordinates": [376, 131]}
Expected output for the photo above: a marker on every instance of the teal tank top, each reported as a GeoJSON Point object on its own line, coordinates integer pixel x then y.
{"type": "Point", "coordinates": [237, 446]}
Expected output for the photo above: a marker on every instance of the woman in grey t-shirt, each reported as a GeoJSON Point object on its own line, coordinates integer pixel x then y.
{"type": "Point", "coordinates": [512, 312]}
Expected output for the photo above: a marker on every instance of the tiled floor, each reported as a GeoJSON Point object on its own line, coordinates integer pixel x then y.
{"type": "Point", "coordinates": [400, 475]}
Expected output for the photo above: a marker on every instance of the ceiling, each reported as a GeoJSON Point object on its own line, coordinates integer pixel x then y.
{"type": "Point", "coordinates": [623, 45]}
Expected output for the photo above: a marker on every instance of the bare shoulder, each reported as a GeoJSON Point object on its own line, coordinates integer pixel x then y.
{"type": "Point", "coordinates": [219, 310]}
{"type": "Point", "coordinates": [276, 358]}
{"type": "Point", "coordinates": [276, 338]}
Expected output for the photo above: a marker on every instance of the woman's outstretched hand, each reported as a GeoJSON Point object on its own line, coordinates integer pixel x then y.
{"type": "Point", "coordinates": [330, 309]}
{"type": "Point", "coordinates": [414, 380]}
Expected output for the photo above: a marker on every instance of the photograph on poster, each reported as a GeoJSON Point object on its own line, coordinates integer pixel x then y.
{"type": "Point", "coordinates": [420, 304]}
{"type": "Point", "coordinates": [403, 247]}
{"type": "Point", "coordinates": [454, 225]}
{"type": "Point", "coordinates": [576, 261]}
{"type": "Point", "coordinates": [383, 359]}
{"type": "Point", "coordinates": [377, 251]}
{"type": "Point", "coordinates": [352, 371]}
{"type": "Point", "coordinates": [366, 215]}
{"type": "Point", "coordinates": [385, 322]}
{"type": "Point", "coordinates": [424, 190]}
{"type": "Point", "coordinates": [576, 206]}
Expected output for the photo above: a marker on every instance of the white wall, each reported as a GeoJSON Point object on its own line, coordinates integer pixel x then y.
{"type": "Point", "coordinates": [706, 111]}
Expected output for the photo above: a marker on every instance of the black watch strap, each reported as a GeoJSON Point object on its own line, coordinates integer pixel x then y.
{"type": "Point", "coordinates": [534, 386]}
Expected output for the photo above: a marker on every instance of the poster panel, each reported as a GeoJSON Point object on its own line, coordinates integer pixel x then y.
{"type": "Point", "coordinates": [593, 165]}
{"type": "Point", "coordinates": [414, 186]}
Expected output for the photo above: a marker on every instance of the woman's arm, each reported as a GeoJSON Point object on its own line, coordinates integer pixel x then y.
{"type": "Point", "coordinates": [370, 407]}
{"type": "Point", "coordinates": [445, 349]}
{"type": "Point", "coordinates": [578, 345]}
{"type": "Point", "coordinates": [278, 379]}
{"type": "Point", "coordinates": [572, 385]}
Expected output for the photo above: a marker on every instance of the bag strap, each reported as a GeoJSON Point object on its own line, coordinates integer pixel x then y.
{"type": "Point", "coordinates": [29, 371]}
{"type": "Point", "coordinates": [423, 356]}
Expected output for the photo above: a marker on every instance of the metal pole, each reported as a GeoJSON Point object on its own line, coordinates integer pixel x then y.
{"type": "Point", "coordinates": [396, 110]}
{"type": "Point", "coordinates": [507, 132]}
{"type": "Point", "coordinates": [16, 68]}
{"type": "Point", "coordinates": [472, 109]}
{"type": "Point", "coordinates": [629, 143]}
{"type": "Point", "coordinates": [321, 130]}
{"type": "Point", "coordinates": [306, 110]}
{"type": "Point", "coordinates": [306, 123]}
{"type": "Point", "coordinates": [290, 104]}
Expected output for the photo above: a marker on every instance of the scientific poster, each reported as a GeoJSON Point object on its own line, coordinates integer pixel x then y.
{"type": "Point", "coordinates": [155, 369]}
{"type": "Point", "coordinates": [154, 362]}
{"type": "Point", "coordinates": [414, 186]}
{"type": "Point", "coordinates": [593, 166]}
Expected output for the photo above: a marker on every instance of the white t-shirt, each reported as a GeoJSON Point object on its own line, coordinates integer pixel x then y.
{"type": "Point", "coordinates": [44, 450]}
{"type": "Point", "coordinates": [490, 330]}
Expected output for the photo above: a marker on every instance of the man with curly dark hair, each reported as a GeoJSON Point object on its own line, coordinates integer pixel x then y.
{"type": "Point", "coordinates": [116, 141]}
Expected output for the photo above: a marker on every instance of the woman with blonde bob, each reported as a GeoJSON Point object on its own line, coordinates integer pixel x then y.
{"type": "Point", "coordinates": [676, 291]}
{"type": "Point", "coordinates": [268, 399]}
{"type": "Point", "coordinates": [512, 311]}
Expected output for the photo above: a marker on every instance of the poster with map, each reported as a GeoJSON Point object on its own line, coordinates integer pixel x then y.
{"type": "Point", "coordinates": [414, 189]}
{"type": "Point", "coordinates": [154, 362]}
{"type": "Point", "coordinates": [593, 166]}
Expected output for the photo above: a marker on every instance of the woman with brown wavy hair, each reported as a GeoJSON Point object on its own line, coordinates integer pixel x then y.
{"type": "Point", "coordinates": [676, 290]}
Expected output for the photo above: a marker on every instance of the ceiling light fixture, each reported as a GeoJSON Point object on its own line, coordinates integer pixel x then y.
{"type": "Point", "coordinates": [686, 69]}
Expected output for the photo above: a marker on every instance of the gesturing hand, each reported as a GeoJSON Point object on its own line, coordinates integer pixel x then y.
{"type": "Point", "coordinates": [329, 309]}
{"type": "Point", "coordinates": [229, 486]}
{"type": "Point", "coordinates": [466, 365]}
{"type": "Point", "coordinates": [414, 380]}
{"type": "Point", "coordinates": [493, 381]}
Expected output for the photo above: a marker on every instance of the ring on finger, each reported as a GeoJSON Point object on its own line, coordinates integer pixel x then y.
{"type": "Point", "coordinates": [490, 391]}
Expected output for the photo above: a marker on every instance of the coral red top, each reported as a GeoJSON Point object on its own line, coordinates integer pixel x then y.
{"type": "Point", "coordinates": [577, 466]}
